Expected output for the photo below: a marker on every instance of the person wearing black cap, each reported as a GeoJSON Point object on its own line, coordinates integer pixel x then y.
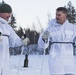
{"type": "Point", "coordinates": [8, 39]}
{"type": "Point", "coordinates": [5, 11]}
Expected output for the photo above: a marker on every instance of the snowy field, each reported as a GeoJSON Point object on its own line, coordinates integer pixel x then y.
{"type": "Point", "coordinates": [34, 66]}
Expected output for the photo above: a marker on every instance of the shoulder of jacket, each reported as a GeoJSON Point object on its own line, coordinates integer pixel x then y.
{"type": "Point", "coordinates": [52, 21]}
{"type": "Point", "coordinates": [71, 24]}
{"type": "Point", "coordinates": [2, 22]}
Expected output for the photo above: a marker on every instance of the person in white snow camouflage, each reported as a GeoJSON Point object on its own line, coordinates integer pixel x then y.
{"type": "Point", "coordinates": [61, 57]}
{"type": "Point", "coordinates": [8, 39]}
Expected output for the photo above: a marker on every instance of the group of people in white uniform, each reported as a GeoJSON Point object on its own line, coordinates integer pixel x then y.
{"type": "Point", "coordinates": [59, 31]}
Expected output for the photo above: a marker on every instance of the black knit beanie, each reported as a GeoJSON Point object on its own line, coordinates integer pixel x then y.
{"type": "Point", "coordinates": [5, 8]}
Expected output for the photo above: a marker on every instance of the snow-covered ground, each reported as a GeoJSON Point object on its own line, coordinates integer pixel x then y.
{"type": "Point", "coordinates": [34, 65]}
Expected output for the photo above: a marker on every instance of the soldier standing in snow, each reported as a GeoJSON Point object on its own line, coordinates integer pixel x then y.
{"type": "Point", "coordinates": [61, 58]}
{"type": "Point", "coordinates": [8, 39]}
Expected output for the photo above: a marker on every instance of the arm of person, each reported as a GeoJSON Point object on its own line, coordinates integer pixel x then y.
{"type": "Point", "coordinates": [43, 36]}
{"type": "Point", "coordinates": [74, 39]}
{"type": "Point", "coordinates": [44, 39]}
{"type": "Point", "coordinates": [14, 39]}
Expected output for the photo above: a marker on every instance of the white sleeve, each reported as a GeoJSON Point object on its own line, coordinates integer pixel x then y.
{"type": "Point", "coordinates": [41, 43]}
{"type": "Point", "coordinates": [14, 39]}
{"type": "Point", "coordinates": [74, 40]}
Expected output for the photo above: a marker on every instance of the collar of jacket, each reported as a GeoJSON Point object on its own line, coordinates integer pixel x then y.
{"type": "Point", "coordinates": [57, 24]}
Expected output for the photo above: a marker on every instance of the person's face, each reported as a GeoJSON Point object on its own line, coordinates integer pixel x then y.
{"type": "Point", "coordinates": [5, 16]}
{"type": "Point", "coordinates": [60, 17]}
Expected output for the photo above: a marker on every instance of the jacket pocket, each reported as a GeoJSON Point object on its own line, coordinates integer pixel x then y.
{"type": "Point", "coordinates": [68, 34]}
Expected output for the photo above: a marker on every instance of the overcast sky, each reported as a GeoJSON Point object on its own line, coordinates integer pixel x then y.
{"type": "Point", "coordinates": [28, 12]}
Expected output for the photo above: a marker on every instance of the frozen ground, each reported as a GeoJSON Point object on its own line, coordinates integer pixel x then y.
{"type": "Point", "coordinates": [34, 67]}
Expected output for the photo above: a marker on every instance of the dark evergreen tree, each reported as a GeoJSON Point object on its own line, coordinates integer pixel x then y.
{"type": "Point", "coordinates": [20, 32]}
{"type": "Point", "coordinates": [32, 35]}
{"type": "Point", "coordinates": [71, 13]}
{"type": "Point", "coordinates": [12, 21]}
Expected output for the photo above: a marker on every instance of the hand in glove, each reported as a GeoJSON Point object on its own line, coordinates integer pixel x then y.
{"type": "Point", "coordinates": [26, 41]}
{"type": "Point", "coordinates": [45, 36]}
